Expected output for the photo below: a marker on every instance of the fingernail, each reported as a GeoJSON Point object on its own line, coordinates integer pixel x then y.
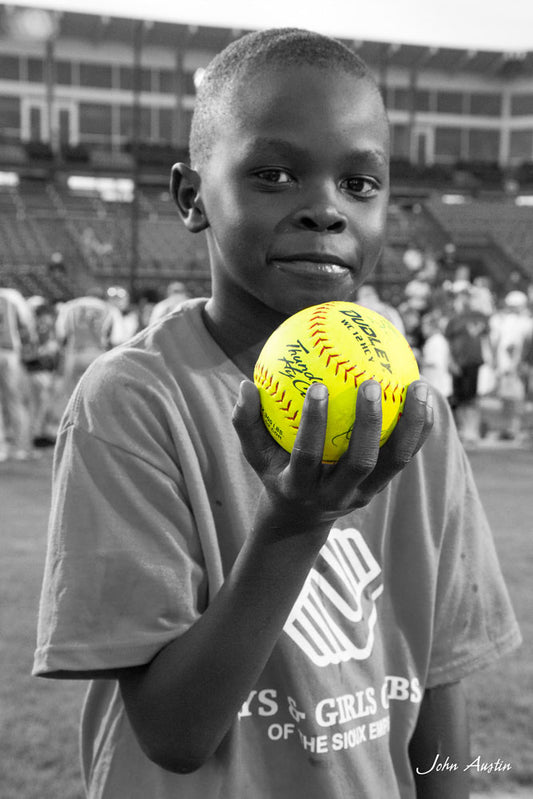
{"type": "Point", "coordinates": [318, 391]}
{"type": "Point", "coordinates": [240, 398]}
{"type": "Point", "coordinates": [421, 392]}
{"type": "Point", "coordinates": [244, 404]}
{"type": "Point", "coordinates": [372, 391]}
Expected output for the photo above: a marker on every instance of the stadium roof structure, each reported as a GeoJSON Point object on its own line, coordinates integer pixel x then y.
{"type": "Point", "coordinates": [502, 64]}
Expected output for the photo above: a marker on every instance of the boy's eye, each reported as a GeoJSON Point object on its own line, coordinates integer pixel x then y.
{"type": "Point", "coordinates": [274, 176]}
{"type": "Point", "coordinates": [362, 186]}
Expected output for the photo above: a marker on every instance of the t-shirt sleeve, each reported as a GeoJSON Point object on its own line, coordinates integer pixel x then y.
{"type": "Point", "coordinates": [474, 622]}
{"type": "Point", "coordinates": [124, 572]}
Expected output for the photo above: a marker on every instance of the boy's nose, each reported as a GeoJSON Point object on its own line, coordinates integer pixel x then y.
{"type": "Point", "coordinates": [321, 218]}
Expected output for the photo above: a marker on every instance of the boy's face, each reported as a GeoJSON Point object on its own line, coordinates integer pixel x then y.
{"type": "Point", "coordinates": [295, 190]}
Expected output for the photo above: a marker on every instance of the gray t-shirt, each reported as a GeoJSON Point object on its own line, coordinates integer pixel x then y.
{"type": "Point", "coordinates": [152, 501]}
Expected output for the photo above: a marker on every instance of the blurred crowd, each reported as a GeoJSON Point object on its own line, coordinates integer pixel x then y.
{"type": "Point", "coordinates": [469, 344]}
{"type": "Point", "coordinates": [44, 349]}
{"type": "Point", "coordinates": [472, 346]}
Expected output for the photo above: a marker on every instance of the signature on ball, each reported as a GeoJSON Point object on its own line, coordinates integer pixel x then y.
{"type": "Point", "coordinates": [296, 369]}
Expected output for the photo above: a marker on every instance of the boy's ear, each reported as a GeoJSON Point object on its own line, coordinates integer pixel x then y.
{"type": "Point", "coordinates": [185, 189]}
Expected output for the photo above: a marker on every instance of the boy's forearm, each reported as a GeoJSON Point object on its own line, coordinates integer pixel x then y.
{"type": "Point", "coordinates": [439, 748]}
{"type": "Point", "coordinates": [183, 703]}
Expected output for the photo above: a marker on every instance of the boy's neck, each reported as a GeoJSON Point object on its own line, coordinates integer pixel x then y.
{"type": "Point", "coordinates": [240, 336]}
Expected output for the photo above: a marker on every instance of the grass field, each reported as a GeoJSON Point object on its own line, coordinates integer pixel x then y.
{"type": "Point", "coordinates": [501, 697]}
{"type": "Point", "coordinates": [38, 724]}
{"type": "Point", "coordinates": [39, 718]}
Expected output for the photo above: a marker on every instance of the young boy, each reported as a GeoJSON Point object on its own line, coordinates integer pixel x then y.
{"type": "Point", "coordinates": [257, 625]}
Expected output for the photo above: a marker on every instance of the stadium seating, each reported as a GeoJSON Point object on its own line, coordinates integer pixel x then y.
{"type": "Point", "coordinates": [42, 217]}
{"type": "Point", "coordinates": [498, 222]}
{"type": "Point", "coordinates": [95, 237]}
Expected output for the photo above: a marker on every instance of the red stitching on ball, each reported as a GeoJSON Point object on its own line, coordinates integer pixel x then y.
{"type": "Point", "coordinates": [319, 333]}
{"type": "Point", "coordinates": [273, 390]}
{"type": "Point", "coordinates": [340, 363]}
{"type": "Point", "coordinates": [332, 355]}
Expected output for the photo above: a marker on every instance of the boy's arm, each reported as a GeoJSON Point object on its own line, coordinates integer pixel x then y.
{"type": "Point", "coordinates": [439, 749]}
{"type": "Point", "coordinates": [182, 704]}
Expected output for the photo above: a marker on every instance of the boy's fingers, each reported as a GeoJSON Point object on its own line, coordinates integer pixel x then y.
{"type": "Point", "coordinates": [415, 424]}
{"type": "Point", "coordinates": [408, 436]}
{"type": "Point", "coordinates": [370, 466]}
{"type": "Point", "coordinates": [361, 457]}
{"type": "Point", "coordinates": [364, 469]}
{"type": "Point", "coordinates": [429, 418]}
{"type": "Point", "coordinates": [248, 407]}
{"type": "Point", "coordinates": [308, 447]}
{"type": "Point", "coordinates": [257, 443]}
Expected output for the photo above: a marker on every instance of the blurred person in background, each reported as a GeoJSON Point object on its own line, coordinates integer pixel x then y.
{"type": "Point", "coordinates": [123, 322]}
{"type": "Point", "coordinates": [435, 361]}
{"type": "Point", "coordinates": [80, 330]}
{"type": "Point", "coordinates": [176, 294]}
{"type": "Point", "coordinates": [511, 335]}
{"type": "Point", "coordinates": [146, 300]}
{"type": "Point", "coordinates": [528, 354]}
{"type": "Point", "coordinates": [466, 330]}
{"type": "Point", "coordinates": [482, 299]}
{"type": "Point", "coordinates": [42, 368]}
{"type": "Point", "coordinates": [417, 298]}
{"type": "Point", "coordinates": [369, 298]}
{"type": "Point", "coordinates": [483, 295]}
{"type": "Point", "coordinates": [56, 265]}
{"type": "Point", "coordinates": [17, 334]}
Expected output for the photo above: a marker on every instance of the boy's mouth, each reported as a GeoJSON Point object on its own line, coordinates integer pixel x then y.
{"type": "Point", "coordinates": [312, 265]}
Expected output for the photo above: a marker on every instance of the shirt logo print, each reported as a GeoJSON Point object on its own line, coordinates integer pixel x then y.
{"type": "Point", "coordinates": [333, 620]}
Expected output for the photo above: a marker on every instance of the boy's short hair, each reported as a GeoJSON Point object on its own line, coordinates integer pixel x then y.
{"type": "Point", "coordinates": [248, 55]}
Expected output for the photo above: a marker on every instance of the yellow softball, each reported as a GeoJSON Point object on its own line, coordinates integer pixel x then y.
{"type": "Point", "coordinates": [340, 344]}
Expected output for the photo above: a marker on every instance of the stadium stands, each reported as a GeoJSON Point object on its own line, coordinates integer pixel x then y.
{"type": "Point", "coordinates": [461, 122]}
{"type": "Point", "coordinates": [94, 236]}
{"type": "Point", "coordinates": [497, 225]}
{"type": "Point", "coordinates": [41, 217]}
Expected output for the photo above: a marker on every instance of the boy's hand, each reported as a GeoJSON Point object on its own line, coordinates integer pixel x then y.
{"type": "Point", "coordinates": [303, 487]}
